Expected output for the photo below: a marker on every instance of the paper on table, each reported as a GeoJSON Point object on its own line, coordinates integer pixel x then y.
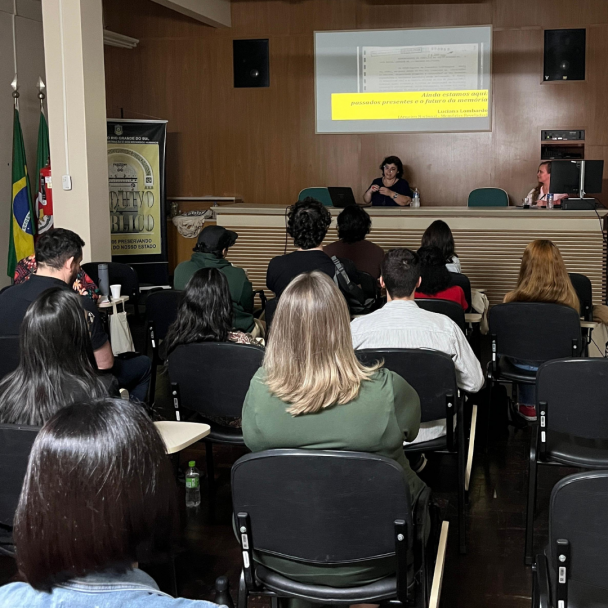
{"type": "Point", "coordinates": [448, 67]}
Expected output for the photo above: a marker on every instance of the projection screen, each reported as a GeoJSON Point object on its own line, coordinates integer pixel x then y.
{"type": "Point", "coordinates": [403, 81]}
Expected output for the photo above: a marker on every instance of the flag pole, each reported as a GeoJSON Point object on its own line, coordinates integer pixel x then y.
{"type": "Point", "coordinates": [15, 83]}
{"type": "Point", "coordinates": [41, 93]}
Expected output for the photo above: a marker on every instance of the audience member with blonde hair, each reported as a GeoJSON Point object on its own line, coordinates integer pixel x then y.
{"type": "Point", "coordinates": [312, 392]}
{"type": "Point", "coordinates": [542, 278]}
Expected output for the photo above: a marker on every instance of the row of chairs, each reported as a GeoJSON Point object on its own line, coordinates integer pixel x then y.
{"type": "Point", "coordinates": [480, 197]}
{"type": "Point", "coordinates": [212, 379]}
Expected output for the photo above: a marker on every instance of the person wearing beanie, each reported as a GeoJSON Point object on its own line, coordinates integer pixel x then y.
{"type": "Point", "coordinates": [210, 252]}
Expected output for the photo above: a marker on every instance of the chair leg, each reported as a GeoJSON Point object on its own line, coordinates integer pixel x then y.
{"type": "Point", "coordinates": [152, 386]}
{"type": "Point", "coordinates": [489, 414]}
{"type": "Point", "coordinates": [439, 567]}
{"type": "Point", "coordinates": [210, 477]}
{"type": "Point", "coordinates": [462, 527]}
{"type": "Point", "coordinates": [531, 507]}
{"type": "Point", "coordinates": [242, 598]}
{"type": "Point", "coordinates": [469, 467]}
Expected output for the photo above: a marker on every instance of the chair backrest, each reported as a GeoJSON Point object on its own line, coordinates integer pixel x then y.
{"type": "Point", "coordinates": [320, 194]}
{"type": "Point", "coordinates": [271, 308]}
{"type": "Point", "coordinates": [444, 307]}
{"type": "Point", "coordinates": [119, 274]}
{"type": "Point", "coordinates": [535, 331]}
{"type": "Point", "coordinates": [322, 507]}
{"type": "Point", "coordinates": [577, 514]}
{"type": "Point", "coordinates": [214, 377]}
{"type": "Point", "coordinates": [584, 291]}
{"type": "Point", "coordinates": [9, 355]}
{"type": "Point", "coordinates": [575, 391]}
{"type": "Point", "coordinates": [15, 447]}
{"type": "Point", "coordinates": [430, 373]}
{"type": "Point", "coordinates": [488, 197]}
{"type": "Point", "coordinates": [161, 309]}
{"type": "Point", "coordinates": [462, 280]}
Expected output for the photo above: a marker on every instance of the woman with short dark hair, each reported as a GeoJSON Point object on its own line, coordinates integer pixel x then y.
{"type": "Point", "coordinates": [98, 496]}
{"type": "Point", "coordinates": [438, 234]}
{"type": "Point", "coordinates": [390, 190]}
{"type": "Point", "coordinates": [354, 224]}
{"type": "Point", "coordinates": [436, 280]}
{"type": "Point", "coordinates": [56, 361]}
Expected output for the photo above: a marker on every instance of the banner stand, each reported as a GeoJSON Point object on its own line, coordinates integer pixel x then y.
{"type": "Point", "coordinates": [136, 169]}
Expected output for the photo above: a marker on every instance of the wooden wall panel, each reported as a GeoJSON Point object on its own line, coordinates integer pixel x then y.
{"type": "Point", "coordinates": [260, 145]}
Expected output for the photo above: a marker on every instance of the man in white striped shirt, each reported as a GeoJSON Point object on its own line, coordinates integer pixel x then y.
{"type": "Point", "coordinates": [402, 324]}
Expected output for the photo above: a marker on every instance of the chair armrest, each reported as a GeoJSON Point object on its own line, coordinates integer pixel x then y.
{"type": "Point", "coordinates": [588, 324]}
{"type": "Point", "coordinates": [439, 566]}
{"type": "Point", "coordinates": [541, 582]}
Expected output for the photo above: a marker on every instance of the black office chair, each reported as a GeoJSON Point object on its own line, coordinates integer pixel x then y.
{"type": "Point", "coordinates": [119, 274]}
{"type": "Point", "coordinates": [463, 281]}
{"type": "Point", "coordinates": [584, 291]}
{"type": "Point", "coordinates": [533, 332]}
{"type": "Point", "coordinates": [330, 507]}
{"type": "Point", "coordinates": [15, 446]}
{"type": "Point", "coordinates": [432, 375]}
{"type": "Point", "coordinates": [161, 311]}
{"type": "Point", "coordinates": [573, 570]}
{"type": "Point", "coordinates": [212, 379]}
{"type": "Point", "coordinates": [9, 355]}
{"type": "Point", "coordinates": [573, 426]}
{"type": "Point", "coordinates": [444, 307]}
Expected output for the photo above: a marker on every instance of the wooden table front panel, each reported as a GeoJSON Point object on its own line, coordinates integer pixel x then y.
{"type": "Point", "coordinates": [490, 255]}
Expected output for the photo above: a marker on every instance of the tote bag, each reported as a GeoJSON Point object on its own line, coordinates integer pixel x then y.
{"type": "Point", "coordinates": [120, 334]}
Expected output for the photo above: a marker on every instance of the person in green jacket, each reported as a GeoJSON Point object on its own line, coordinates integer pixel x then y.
{"type": "Point", "coordinates": [210, 252]}
{"type": "Point", "coordinates": [312, 392]}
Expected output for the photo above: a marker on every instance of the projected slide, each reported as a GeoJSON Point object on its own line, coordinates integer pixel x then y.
{"type": "Point", "coordinates": [363, 86]}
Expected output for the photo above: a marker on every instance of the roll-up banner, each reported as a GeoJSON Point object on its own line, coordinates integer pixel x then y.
{"type": "Point", "coordinates": [136, 168]}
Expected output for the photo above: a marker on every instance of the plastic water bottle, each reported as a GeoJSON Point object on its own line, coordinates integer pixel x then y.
{"type": "Point", "coordinates": [416, 198]}
{"type": "Point", "coordinates": [550, 198]}
{"type": "Point", "coordinates": [222, 593]}
{"type": "Point", "coordinates": [193, 485]}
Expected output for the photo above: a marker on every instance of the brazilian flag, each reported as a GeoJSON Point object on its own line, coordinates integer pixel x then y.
{"type": "Point", "coordinates": [21, 242]}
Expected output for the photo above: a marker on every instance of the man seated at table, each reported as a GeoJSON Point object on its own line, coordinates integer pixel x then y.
{"type": "Point", "coordinates": [400, 323]}
{"type": "Point", "coordinates": [210, 252]}
{"type": "Point", "coordinates": [58, 257]}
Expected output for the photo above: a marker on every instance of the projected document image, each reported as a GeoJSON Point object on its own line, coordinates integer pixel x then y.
{"type": "Point", "coordinates": [415, 82]}
{"type": "Point", "coordinates": [419, 68]}
{"type": "Point", "coordinates": [444, 85]}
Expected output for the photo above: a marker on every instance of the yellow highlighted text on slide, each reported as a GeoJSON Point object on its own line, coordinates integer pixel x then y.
{"type": "Point", "coordinates": [417, 104]}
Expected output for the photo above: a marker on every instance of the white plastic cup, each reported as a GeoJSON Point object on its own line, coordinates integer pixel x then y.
{"type": "Point", "coordinates": [115, 289]}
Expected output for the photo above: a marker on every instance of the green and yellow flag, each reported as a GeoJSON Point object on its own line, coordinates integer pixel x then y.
{"type": "Point", "coordinates": [21, 242]}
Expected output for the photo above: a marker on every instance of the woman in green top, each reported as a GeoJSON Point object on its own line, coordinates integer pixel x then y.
{"type": "Point", "coordinates": [312, 392]}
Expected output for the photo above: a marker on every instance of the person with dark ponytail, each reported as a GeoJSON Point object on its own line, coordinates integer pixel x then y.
{"type": "Point", "coordinates": [438, 234]}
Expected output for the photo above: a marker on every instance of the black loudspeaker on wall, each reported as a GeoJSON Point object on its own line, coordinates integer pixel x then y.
{"type": "Point", "coordinates": [564, 54]}
{"type": "Point", "coordinates": [250, 62]}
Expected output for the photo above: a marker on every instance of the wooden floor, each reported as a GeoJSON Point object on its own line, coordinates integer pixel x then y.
{"type": "Point", "coordinates": [491, 574]}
